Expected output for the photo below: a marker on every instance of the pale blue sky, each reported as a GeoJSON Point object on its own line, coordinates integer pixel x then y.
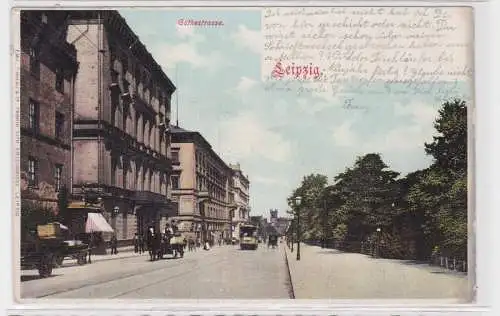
{"type": "Point", "coordinates": [277, 137]}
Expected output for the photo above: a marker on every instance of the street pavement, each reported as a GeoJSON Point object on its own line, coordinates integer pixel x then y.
{"type": "Point", "coordinates": [222, 273]}
{"type": "Point", "coordinates": [332, 274]}
{"type": "Point", "coordinates": [229, 273]}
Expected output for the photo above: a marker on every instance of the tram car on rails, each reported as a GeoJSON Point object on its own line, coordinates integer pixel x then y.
{"type": "Point", "coordinates": [248, 237]}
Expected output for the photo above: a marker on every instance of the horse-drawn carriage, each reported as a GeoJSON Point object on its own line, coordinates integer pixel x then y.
{"type": "Point", "coordinates": [273, 241]}
{"type": "Point", "coordinates": [160, 244]}
{"type": "Point", "coordinates": [45, 248]}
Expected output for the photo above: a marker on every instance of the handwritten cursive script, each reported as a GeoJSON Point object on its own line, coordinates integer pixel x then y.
{"type": "Point", "coordinates": [369, 47]}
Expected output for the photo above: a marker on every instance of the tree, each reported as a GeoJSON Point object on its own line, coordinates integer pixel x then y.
{"type": "Point", "coordinates": [369, 189]}
{"type": "Point", "coordinates": [441, 191]}
{"type": "Point", "coordinates": [310, 190]}
{"type": "Point", "coordinates": [449, 147]}
{"type": "Point", "coordinates": [34, 213]}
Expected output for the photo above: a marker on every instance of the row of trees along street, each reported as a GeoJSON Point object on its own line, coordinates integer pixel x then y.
{"type": "Point", "coordinates": [419, 216]}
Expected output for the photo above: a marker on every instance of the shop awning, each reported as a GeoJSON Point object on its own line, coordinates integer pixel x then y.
{"type": "Point", "coordinates": [97, 223]}
{"type": "Point", "coordinates": [61, 225]}
{"type": "Point", "coordinates": [83, 206]}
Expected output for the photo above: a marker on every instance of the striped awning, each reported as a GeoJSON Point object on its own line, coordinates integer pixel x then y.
{"type": "Point", "coordinates": [97, 223]}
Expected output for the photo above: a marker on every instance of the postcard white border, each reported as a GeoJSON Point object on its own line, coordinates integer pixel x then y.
{"type": "Point", "coordinates": [485, 169]}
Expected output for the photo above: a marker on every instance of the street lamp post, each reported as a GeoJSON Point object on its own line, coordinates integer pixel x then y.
{"type": "Point", "coordinates": [377, 253]}
{"type": "Point", "coordinates": [298, 199]}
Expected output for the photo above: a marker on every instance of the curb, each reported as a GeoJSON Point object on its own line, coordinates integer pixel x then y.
{"type": "Point", "coordinates": [290, 281]}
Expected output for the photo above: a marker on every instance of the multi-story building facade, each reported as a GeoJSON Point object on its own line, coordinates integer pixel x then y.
{"type": "Point", "coordinates": [47, 74]}
{"type": "Point", "coordinates": [201, 187]}
{"type": "Point", "coordinates": [121, 136]}
{"type": "Point", "coordinates": [241, 189]}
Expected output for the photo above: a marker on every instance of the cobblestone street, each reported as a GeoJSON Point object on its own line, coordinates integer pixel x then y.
{"type": "Point", "coordinates": [229, 273]}
{"type": "Point", "coordinates": [223, 272]}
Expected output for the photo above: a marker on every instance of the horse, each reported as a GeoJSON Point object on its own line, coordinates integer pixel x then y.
{"type": "Point", "coordinates": [154, 245]}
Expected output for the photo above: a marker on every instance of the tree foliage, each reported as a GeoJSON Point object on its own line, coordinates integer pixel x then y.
{"type": "Point", "coordinates": [415, 213]}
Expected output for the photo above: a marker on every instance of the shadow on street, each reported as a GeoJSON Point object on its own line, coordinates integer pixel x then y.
{"type": "Point", "coordinates": [26, 278]}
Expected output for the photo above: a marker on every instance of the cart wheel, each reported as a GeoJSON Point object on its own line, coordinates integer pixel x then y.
{"type": "Point", "coordinates": [46, 265]}
{"type": "Point", "coordinates": [59, 260]}
{"type": "Point", "coordinates": [81, 259]}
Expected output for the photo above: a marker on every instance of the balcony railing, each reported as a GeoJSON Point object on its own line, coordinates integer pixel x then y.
{"type": "Point", "coordinates": [148, 196]}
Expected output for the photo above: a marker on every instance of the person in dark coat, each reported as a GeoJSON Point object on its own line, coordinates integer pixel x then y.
{"type": "Point", "coordinates": [114, 244]}
{"type": "Point", "coordinates": [136, 243]}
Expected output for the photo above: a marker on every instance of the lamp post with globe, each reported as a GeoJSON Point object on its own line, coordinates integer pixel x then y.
{"type": "Point", "coordinates": [298, 201]}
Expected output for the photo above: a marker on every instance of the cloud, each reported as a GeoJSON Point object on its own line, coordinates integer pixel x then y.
{"type": "Point", "coordinates": [170, 55]}
{"type": "Point", "coordinates": [344, 136]}
{"type": "Point", "coordinates": [245, 84]}
{"type": "Point", "coordinates": [250, 39]}
{"type": "Point", "coordinates": [267, 180]}
{"type": "Point", "coordinates": [312, 107]}
{"type": "Point", "coordinates": [185, 31]}
{"type": "Point", "coordinates": [402, 138]}
{"type": "Point", "coordinates": [420, 113]}
{"type": "Point", "coordinates": [244, 136]}
{"type": "Point", "coordinates": [419, 118]}
{"type": "Point", "coordinates": [191, 50]}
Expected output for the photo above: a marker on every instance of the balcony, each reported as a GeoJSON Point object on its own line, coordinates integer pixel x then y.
{"type": "Point", "coordinates": [148, 197]}
{"type": "Point", "coordinates": [203, 196]}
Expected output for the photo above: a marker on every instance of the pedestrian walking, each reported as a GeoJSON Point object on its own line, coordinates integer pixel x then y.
{"type": "Point", "coordinates": [140, 243]}
{"type": "Point", "coordinates": [144, 244]}
{"type": "Point", "coordinates": [136, 243]}
{"type": "Point", "coordinates": [207, 246]}
{"type": "Point", "coordinates": [91, 244]}
{"type": "Point", "coordinates": [114, 244]}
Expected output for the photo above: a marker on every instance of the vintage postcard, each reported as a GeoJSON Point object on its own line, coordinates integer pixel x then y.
{"type": "Point", "coordinates": [245, 153]}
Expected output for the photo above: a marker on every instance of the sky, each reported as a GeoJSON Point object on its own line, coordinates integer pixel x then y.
{"type": "Point", "coordinates": [278, 137]}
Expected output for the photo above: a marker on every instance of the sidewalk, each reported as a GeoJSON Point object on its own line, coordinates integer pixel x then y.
{"type": "Point", "coordinates": [123, 252]}
{"type": "Point", "coordinates": [332, 274]}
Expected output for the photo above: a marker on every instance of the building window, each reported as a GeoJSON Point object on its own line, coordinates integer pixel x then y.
{"type": "Point", "coordinates": [112, 54]}
{"type": "Point", "coordinates": [45, 19]}
{"type": "Point", "coordinates": [175, 156]}
{"type": "Point", "coordinates": [32, 172]}
{"type": "Point", "coordinates": [60, 80]}
{"type": "Point", "coordinates": [58, 177]}
{"type": "Point", "coordinates": [114, 76]}
{"type": "Point", "coordinates": [175, 182]}
{"type": "Point", "coordinates": [35, 61]}
{"type": "Point", "coordinates": [125, 65]}
{"type": "Point", "coordinates": [34, 115]}
{"type": "Point", "coordinates": [59, 125]}
{"type": "Point", "coordinates": [114, 167]}
{"type": "Point", "coordinates": [126, 85]}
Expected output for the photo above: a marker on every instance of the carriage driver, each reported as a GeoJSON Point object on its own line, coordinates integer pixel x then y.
{"type": "Point", "coordinates": [169, 232]}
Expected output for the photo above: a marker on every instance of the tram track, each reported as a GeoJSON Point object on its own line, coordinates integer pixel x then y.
{"type": "Point", "coordinates": [126, 275]}
{"type": "Point", "coordinates": [164, 279]}
{"type": "Point", "coordinates": [226, 273]}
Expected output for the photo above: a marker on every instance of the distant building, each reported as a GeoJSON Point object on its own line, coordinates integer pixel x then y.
{"type": "Point", "coordinates": [282, 225]}
{"type": "Point", "coordinates": [48, 69]}
{"type": "Point", "coordinates": [240, 187]}
{"type": "Point", "coordinates": [261, 223]}
{"type": "Point", "coordinates": [279, 224]}
{"type": "Point", "coordinates": [273, 215]}
{"type": "Point", "coordinates": [201, 187]}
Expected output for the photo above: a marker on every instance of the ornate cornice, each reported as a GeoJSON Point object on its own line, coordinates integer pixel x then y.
{"type": "Point", "coordinates": [117, 25]}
